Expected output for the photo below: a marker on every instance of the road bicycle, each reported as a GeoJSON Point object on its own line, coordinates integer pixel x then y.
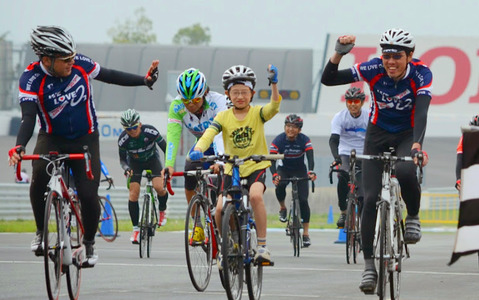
{"type": "Point", "coordinates": [294, 222]}
{"type": "Point", "coordinates": [201, 233]}
{"type": "Point", "coordinates": [352, 225]}
{"type": "Point", "coordinates": [239, 238]}
{"type": "Point", "coordinates": [108, 224]}
{"type": "Point", "coordinates": [149, 215]}
{"type": "Point", "coordinates": [389, 247]}
{"type": "Point", "coordinates": [63, 228]}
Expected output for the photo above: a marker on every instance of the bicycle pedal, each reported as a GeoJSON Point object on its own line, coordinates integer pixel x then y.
{"type": "Point", "coordinates": [266, 263]}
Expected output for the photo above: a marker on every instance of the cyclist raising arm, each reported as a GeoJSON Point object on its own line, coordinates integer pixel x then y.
{"type": "Point", "coordinates": [138, 152]}
{"type": "Point", "coordinates": [348, 130]}
{"type": "Point", "coordinates": [294, 145]}
{"type": "Point", "coordinates": [57, 88]}
{"type": "Point", "coordinates": [195, 107]}
{"type": "Point", "coordinates": [400, 96]}
{"type": "Point", "coordinates": [242, 127]}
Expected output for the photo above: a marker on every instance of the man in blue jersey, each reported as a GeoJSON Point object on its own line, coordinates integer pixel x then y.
{"type": "Point", "coordinates": [58, 88]}
{"type": "Point", "coordinates": [348, 130]}
{"type": "Point", "coordinates": [294, 145]}
{"type": "Point", "coordinates": [400, 96]}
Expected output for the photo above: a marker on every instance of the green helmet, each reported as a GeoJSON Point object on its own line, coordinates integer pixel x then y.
{"type": "Point", "coordinates": [191, 84]}
{"type": "Point", "coordinates": [129, 118]}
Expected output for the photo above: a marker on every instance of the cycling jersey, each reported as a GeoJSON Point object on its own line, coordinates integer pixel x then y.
{"type": "Point", "coordinates": [178, 115]}
{"type": "Point", "coordinates": [64, 105]}
{"type": "Point", "coordinates": [351, 131]}
{"type": "Point", "coordinates": [142, 148]}
{"type": "Point", "coordinates": [393, 104]}
{"type": "Point", "coordinates": [294, 151]}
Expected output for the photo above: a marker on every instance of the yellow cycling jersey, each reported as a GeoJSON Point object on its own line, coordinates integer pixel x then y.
{"type": "Point", "coordinates": [242, 137]}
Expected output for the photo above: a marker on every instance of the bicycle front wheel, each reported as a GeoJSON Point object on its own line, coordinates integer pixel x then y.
{"type": "Point", "coordinates": [52, 251]}
{"type": "Point", "coordinates": [296, 228]}
{"type": "Point", "coordinates": [108, 225]}
{"type": "Point", "coordinates": [76, 237]}
{"type": "Point", "coordinates": [198, 248]}
{"type": "Point", "coordinates": [253, 271]}
{"type": "Point", "coordinates": [143, 235]}
{"type": "Point", "coordinates": [352, 231]}
{"type": "Point", "coordinates": [152, 222]}
{"type": "Point", "coordinates": [232, 253]}
{"type": "Point", "coordinates": [382, 251]}
{"type": "Point", "coordinates": [398, 252]}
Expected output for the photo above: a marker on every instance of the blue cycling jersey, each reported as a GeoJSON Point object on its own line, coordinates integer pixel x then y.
{"type": "Point", "coordinates": [293, 151]}
{"type": "Point", "coordinates": [393, 103]}
{"type": "Point", "coordinates": [64, 105]}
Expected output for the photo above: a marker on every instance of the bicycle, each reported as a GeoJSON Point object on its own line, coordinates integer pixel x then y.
{"type": "Point", "coordinates": [149, 215]}
{"type": "Point", "coordinates": [352, 225]}
{"type": "Point", "coordinates": [201, 250]}
{"type": "Point", "coordinates": [294, 222]}
{"type": "Point", "coordinates": [63, 228]}
{"type": "Point", "coordinates": [389, 246]}
{"type": "Point", "coordinates": [107, 211]}
{"type": "Point", "coordinates": [238, 232]}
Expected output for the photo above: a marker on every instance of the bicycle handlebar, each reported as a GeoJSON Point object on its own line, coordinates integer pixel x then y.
{"type": "Point", "coordinates": [235, 160]}
{"type": "Point", "coordinates": [55, 156]}
{"type": "Point", "coordinates": [299, 179]}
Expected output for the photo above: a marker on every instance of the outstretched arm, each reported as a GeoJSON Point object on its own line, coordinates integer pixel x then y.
{"type": "Point", "coordinates": [129, 79]}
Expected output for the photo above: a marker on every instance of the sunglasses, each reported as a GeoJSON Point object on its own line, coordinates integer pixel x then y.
{"type": "Point", "coordinates": [134, 127]}
{"type": "Point", "coordinates": [393, 56]}
{"type": "Point", "coordinates": [187, 101]}
{"type": "Point", "coordinates": [353, 101]}
{"type": "Point", "coordinates": [67, 59]}
{"type": "Point", "coordinates": [244, 93]}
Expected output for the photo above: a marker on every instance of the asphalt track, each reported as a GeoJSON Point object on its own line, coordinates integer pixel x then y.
{"type": "Point", "coordinates": [320, 273]}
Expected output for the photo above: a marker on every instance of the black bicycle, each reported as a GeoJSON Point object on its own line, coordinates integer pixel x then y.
{"type": "Point", "coordinates": [294, 223]}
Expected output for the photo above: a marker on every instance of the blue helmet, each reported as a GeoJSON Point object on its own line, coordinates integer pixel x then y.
{"type": "Point", "coordinates": [191, 84]}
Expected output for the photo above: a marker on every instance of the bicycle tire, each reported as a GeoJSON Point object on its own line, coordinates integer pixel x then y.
{"type": "Point", "coordinates": [107, 214]}
{"type": "Point", "coordinates": [253, 271]}
{"type": "Point", "coordinates": [383, 251]}
{"type": "Point", "coordinates": [143, 224]}
{"type": "Point", "coordinates": [398, 251]}
{"type": "Point", "coordinates": [232, 253]}
{"type": "Point", "coordinates": [296, 230]}
{"type": "Point", "coordinates": [76, 236]}
{"type": "Point", "coordinates": [152, 222]}
{"type": "Point", "coordinates": [352, 232]}
{"type": "Point", "coordinates": [198, 253]}
{"type": "Point", "coordinates": [52, 252]}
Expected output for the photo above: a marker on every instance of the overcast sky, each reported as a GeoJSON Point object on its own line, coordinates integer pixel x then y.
{"type": "Point", "coordinates": [245, 23]}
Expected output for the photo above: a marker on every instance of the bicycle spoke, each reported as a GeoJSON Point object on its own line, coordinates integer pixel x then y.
{"type": "Point", "coordinates": [232, 254]}
{"type": "Point", "coordinates": [254, 272]}
{"type": "Point", "coordinates": [74, 270]}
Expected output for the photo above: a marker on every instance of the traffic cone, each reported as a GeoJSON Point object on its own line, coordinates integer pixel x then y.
{"type": "Point", "coordinates": [341, 237]}
{"type": "Point", "coordinates": [107, 225]}
{"type": "Point", "coordinates": [330, 215]}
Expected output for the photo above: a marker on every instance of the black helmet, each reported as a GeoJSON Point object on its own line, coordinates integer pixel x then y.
{"type": "Point", "coordinates": [474, 121]}
{"type": "Point", "coordinates": [51, 41]}
{"type": "Point", "coordinates": [354, 93]}
{"type": "Point", "coordinates": [294, 119]}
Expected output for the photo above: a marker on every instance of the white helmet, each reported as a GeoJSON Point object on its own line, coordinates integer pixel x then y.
{"type": "Point", "coordinates": [238, 73]}
{"type": "Point", "coordinates": [397, 38]}
{"type": "Point", "coordinates": [51, 41]}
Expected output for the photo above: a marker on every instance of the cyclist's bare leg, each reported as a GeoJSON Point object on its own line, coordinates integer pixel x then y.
{"type": "Point", "coordinates": [306, 229]}
{"type": "Point", "coordinates": [158, 186]}
{"type": "Point", "coordinates": [256, 199]}
{"type": "Point", "coordinates": [219, 207]}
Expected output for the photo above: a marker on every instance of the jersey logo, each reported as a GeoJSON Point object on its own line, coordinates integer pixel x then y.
{"type": "Point", "coordinates": [74, 81]}
{"type": "Point", "coordinates": [242, 137]}
{"type": "Point", "coordinates": [152, 131]}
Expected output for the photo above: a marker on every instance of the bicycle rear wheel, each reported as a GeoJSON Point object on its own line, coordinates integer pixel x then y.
{"type": "Point", "coordinates": [232, 253]}
{"type": "Point", "coordinates": [108, 225]}
{"type": "Point", "coordinates": [76, 237]}
{"type": "Point", "coordinates": [143, 235]}
{"type": "Point", "coordinates": [296, 228]}
{"type": "Point", "coordinates": [52, 252]}
{"type": "Point", "coordinates": [352, 232]}
{"type": "Point", "coordinates": [253, 271]}
{"type": "Point", "coordinates": [198, 247]}
{"type": "Point", "coordinates": [382, 251]}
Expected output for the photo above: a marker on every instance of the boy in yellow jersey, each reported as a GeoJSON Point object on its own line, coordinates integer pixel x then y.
{"type": "Point", "coordinates": [242, 127]}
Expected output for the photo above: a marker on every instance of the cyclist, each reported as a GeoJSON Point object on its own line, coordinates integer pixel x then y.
{"type": "Point", "coordinates": [57, 88]}
{"type": "Point", "coordinates": [294, 145]}
{"type": "Point", "coordinates": [474, 122]}
{"type": "Point", "coordinates": [138, 152]}
{"type": "Point", "coordinates": [195, 107]}
{"type": "Point", "coordinates": [242, 127]}
{"type": "Point", "coordinates": [348, 130]}
{"type": "Point", "coordinates": [400, 96]}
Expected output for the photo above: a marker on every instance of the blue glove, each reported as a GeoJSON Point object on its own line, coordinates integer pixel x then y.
{"type": "Point", "coordinates": [272, 75]}
{"type": "Point", "coordinates": [196, 155]}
